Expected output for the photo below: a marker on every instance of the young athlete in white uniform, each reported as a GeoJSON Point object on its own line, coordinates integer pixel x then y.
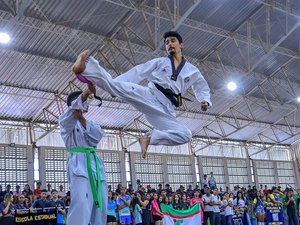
{"type": "Point", "coordinates": [86, 173]}
{"type": "Point", "coordinates": [169, 78]}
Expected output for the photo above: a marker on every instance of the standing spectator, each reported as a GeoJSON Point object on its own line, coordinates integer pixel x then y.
{"type": "Point", "coordinates": [155, 210]}
{"type": "Point", "coordinates": [197, 199]}
{"type": "Point", "coordinates": [159, 190]}
{"type": "Point", "coordinates": [49, 189]}
{"type": "Point", "coordinates": [190, 190]}
{"type": "Point", "coordinates": [111, 209]}
{"type": "Point", "coordinates": [2, 193]}
{"type": "Point", "coordinates": [177, 203]}
{"type": "Point", "coordinates": [204, 181]}
{"type": "Point", "coordinates": [60, 206]}
{"type": "Point", "coordinates": [38, 191]}
{"type": "Point", "coordinates": [136, 211]}
{"type": "Point", "coordinates": [21, 206]}
{"type": "Point", "coordinates": [290, 204]}
{"type": "Point", "coordinates": [170, 201]}
{"type": "Point", "coordinates": [28, 192]}
{"type": "Point", "coordinates": [17, 193]}
{"type": "Point", "coordinates": [123, 202]}
{"type": "Point", "coordinates": [8, 190]}
{"type": "Point", "coordinates": [144, 201]}
{"type": "Point", "coordinates": [259, 208]}
{"type": "Point", "coordinates": [7, 210]}
{"type": "Point", "coordinates": [180, 190]}
{"type": "Point", "coordinates": [228, 209]}
{"type": "Point", "coordinates": [42, 202]}
{"type": "Point", "coordinates": [130, 189]}
{"type": "Point", "coordinates": [61, 192]}
{"type": "Point", "coordinates": [163, 194]}
{"type": "Point", "coordinates": [212, 181]}
{"type": "Point", "coordinates": [266, 191]}
{"type": "Point", "coordinates": [150, 189]}
{"type": "Point", "coordinates": [208, 207]}
{"type": "Point", "coordinates": [168, 189]}
{"type": "Point", "coordinates": [216, 206]}
{"type": "Point", "coordinates": [118, 190]}
{"type": "Point", "coordinates": [185, 203]}
{"type": "Point", "coordinates": [241, 207]}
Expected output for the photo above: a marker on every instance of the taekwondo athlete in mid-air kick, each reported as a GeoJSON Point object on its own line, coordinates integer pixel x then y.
{"type": "Point", "coordinates": [86, 173]}
{"type": "Point", "coordinates": [169, 78]}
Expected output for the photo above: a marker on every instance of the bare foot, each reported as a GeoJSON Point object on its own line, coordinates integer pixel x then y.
{"type": "Point", "coordinates": [144, 142]}
{"type": "Point", "coordinates": [79, 65]}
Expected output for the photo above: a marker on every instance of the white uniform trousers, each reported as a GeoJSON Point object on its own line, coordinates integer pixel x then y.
{"type": "Point", "coordinates": [157, 109]}
{"type": "Point", "coordinates": [82, 209]}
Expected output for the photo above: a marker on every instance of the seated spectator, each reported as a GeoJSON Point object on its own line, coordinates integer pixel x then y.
{"type": "Point", "coordinates": [7, 210]}
{"type": "Point", "coordinates": [21, 205]}
{"type": "Point", "coordinates": [60, 205]}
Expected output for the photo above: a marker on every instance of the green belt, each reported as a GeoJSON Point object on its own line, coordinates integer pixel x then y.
{"type": "Point", "coordinates": [88, 152]}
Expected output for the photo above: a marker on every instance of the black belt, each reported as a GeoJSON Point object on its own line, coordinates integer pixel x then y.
{"type": "Point", "coordinates": [176, 99]}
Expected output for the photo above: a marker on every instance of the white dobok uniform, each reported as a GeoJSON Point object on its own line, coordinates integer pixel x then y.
{"type": "Point", "coordinates": [82, 209]}
{"type": "Point", "coordinates": [157, 108]}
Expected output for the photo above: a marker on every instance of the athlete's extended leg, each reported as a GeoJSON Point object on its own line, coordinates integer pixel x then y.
{"type": "Point", "coordinates": [167, 130]}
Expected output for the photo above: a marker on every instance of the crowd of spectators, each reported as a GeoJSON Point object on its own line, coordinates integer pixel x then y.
{"type": "Point", "coordinates": [142, 206]}
{"type": "Point", "coordinates": [23, 201]}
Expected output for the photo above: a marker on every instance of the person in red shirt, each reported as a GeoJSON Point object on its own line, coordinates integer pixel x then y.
{"type": "Point", "coordinates": [266, 191]}
{"type": "Point", "coordinates": [38, 191]}
{"type": "Point", "coordinates": [198, 199]}
{"type": "Point", "coordinates": [155, 210]}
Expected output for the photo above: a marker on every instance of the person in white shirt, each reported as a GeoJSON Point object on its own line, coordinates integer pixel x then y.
{"type": "Point", "coordinates": [169, 78]}
{"type": "Point", "coordinates": [217, 204]}
{"type": "Point", "coordinates": [61, 193]}
{"type": "Point", "coordinates": [208, 201]}
{"type": "Point", "coordinates": [212, 181]}
{"type": "Point", "coordinates": [228, 209]}
{"type": "Point", "coordinates": [204, 181]}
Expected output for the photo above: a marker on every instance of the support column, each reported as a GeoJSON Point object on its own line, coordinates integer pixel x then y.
{"type": "Point", "coordinates": [42, 166]}
{"type": "Point", "coordinates": [276, 173]}
{"type": "Point", "coordinates": [165, 170]}
{"type": "Point", "coordinates": [201, 173]}
{"type": "Point", "coordinates": [132, 169]}
{"type": "Point", "coordinates": [123, 168]}
{"type": "Point", "coordinates": [226, 173]}
{"type": "Point", "coordinates": [194, 174]}
{"type": "Point", "coordinates": [30, 165]}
